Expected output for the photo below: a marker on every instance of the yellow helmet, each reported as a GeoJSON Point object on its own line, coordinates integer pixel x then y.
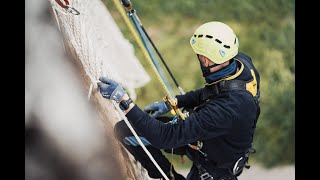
{"type": "Point", "coordinates": [216, 41]}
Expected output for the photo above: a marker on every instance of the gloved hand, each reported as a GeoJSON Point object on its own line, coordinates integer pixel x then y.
{"type": "Point", "coordinates": [157, 108]}
{"type": "Point", "coordinates": [110, 89]}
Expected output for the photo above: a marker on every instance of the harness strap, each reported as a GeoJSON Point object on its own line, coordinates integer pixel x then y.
{"type": "Point", "coordinates": [223, 86]}
{"type": "Point", "coordinates": [257, 95]}
{"type": "Point", "coordinates": [63, 5]}
{"type": "Point", "coordinates": [203, 173]}
{"type": "Point", "coordinates": [250, 86]}
{"type": "Point", "coordinates": [67, 7]}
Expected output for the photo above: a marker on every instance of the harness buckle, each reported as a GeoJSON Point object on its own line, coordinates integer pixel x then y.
{"type": "Point", "coordinates": [206, 176]}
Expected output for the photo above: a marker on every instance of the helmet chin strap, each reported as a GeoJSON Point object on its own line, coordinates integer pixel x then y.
{"type": "Point", "coordinates": [206, 70]}
{"type": "Point", "coordinates": [214, 76]}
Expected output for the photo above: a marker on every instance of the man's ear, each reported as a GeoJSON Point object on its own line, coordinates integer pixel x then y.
{"type": "Point", "coordinates": [207, 61]}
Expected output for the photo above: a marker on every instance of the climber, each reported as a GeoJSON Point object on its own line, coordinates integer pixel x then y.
{"type": "Point", "coordinates": [224, 117]}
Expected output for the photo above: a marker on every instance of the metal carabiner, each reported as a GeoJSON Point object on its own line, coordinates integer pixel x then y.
{"type": "Point", "coordinates": [72, 10]}
{"type": "Point", "coordinates": [206, 176]}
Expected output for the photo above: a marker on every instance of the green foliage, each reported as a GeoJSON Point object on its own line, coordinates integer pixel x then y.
{"type": "Point", "coordinates": [266, 33]}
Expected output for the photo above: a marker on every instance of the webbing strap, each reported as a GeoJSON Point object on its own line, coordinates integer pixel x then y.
{"type": "Point", "coordinates": [256, 97]}
{"type": "Point", "coordinates": [63, 5]}
{"type": "Point", "coordinates": [232, 85]}
{"type": "Point", "coordinates": [67, 7]}
{"type": "Point", "coordinates": [223, 86]}
{"type": "Point", "coordinates": [213, 90]}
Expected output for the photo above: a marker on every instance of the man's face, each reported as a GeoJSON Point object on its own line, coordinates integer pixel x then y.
{"type": "Point", "coordinates": [205, 61]}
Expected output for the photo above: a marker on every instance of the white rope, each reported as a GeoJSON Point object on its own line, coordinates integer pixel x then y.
{"type": "Point", "coordinates": [139, 140]}
{"type": "Point", "coordinates": [57, 20]}
{"type": "Point", "coordinates": [134, 133]}
{"type": "Point", "coordinates": [90, 91]}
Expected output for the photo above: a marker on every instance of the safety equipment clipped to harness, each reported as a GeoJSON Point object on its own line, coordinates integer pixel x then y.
{"type": "Point", "coordinates": [206, 176]}
{"type": "Point", "coordinates": [242, 162]}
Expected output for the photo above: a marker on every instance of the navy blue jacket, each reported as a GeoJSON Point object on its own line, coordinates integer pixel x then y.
{"type": "Point", "coordinates": [225, 124]}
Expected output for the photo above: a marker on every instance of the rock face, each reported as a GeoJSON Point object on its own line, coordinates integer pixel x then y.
{"type": "Point", "coordinates": [67, 136]}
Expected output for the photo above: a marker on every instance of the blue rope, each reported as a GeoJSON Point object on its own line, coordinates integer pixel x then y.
{"type": "Point", "coordinates": [154, 60]}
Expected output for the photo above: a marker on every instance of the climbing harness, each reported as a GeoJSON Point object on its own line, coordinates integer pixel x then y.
{"type": "Point", "coordinates": [235, 169]}
{"type": "Point", "coordinates": [214, 89]}
{"type": "Point", "coordinates": [67, 7]}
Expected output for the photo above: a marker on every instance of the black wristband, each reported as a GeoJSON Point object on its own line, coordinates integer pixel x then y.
{"type": "Point", "coordinates": [124, 104]}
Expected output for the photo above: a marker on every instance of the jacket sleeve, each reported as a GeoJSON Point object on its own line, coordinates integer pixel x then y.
{"type": "Point", "coordinates": [204, 124]}
{"type": "Point", "coordinates": [190, 99]}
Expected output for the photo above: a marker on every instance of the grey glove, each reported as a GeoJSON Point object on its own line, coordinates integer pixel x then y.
{"type": "Point", "coordinates": [110, 89]}
{"type": "Point", "coordinates": [157, 108]}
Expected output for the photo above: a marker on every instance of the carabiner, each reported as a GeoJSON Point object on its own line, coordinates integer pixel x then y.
{"type": "Point", "coordinates": [206, 176]}
{"type": "Point", "coordinates": [72, 10]}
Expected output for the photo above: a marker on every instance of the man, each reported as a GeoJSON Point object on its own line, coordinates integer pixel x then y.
{"type": "Point", "coordinates": [224, 117]}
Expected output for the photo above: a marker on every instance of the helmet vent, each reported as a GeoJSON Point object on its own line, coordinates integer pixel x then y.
{"type": "Point", "coordinates": [226, 46]}
{"type": "Point", "coordinates": [218, 41]}
{"type": "Point", "coordinates": [195, 35]}
{"type": "Point", "coordinates": [208, 36]}
{"type": "Point", "coordinates": [199, 36]}
{"type": "Point", "coordinates": [235, 40]}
